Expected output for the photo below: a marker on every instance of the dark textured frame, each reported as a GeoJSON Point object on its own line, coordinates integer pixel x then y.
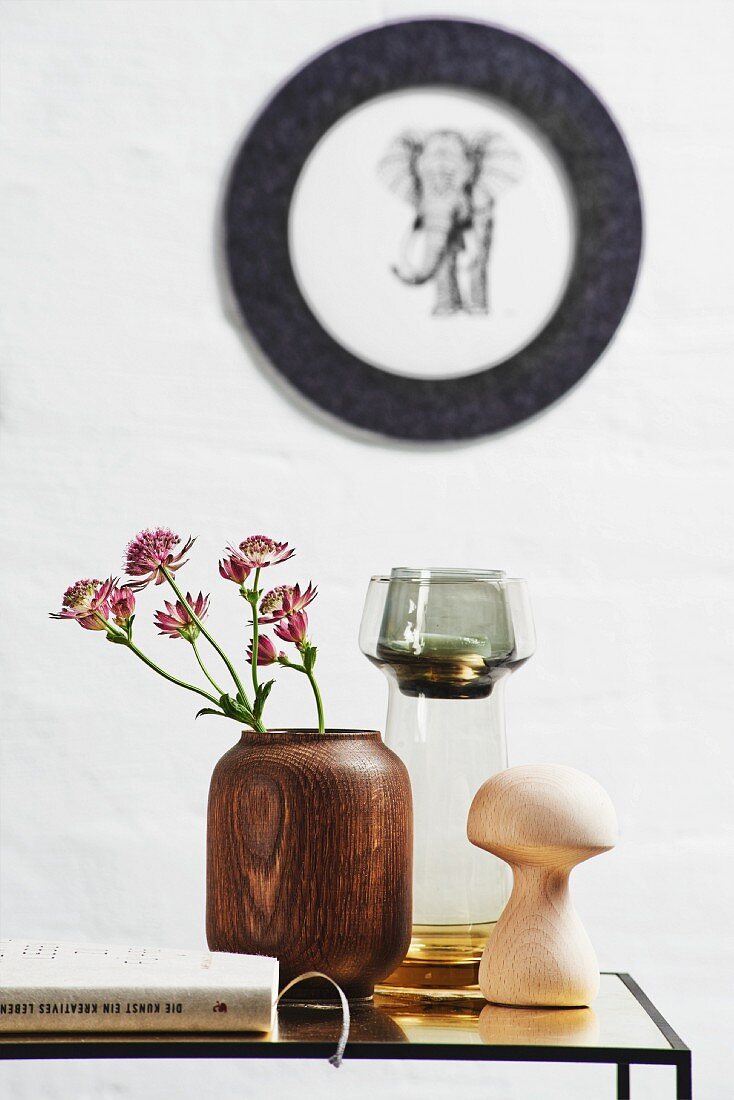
{"type": "Point", "coordinates": [421, 53]}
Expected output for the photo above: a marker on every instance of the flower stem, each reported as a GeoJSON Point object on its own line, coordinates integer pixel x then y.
{"type": "Point", "coordinates": [314, 687]}
{"type": "Point", "coordinates": [317, 697]}
{"type": "Point", "coordinates": [203, 668]}
{"type": "Point", "coordinates": [255, 630]}
{"type": "Point", "coordinates": [167, 675]}
{"type": "Point", "coordinates": [124, 639]}
{"type": "Point", "coordinates": [185, 603]}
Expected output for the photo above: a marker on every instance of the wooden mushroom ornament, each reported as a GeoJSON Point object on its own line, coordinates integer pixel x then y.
{"type": "Point", "coordinates": [541, 819]}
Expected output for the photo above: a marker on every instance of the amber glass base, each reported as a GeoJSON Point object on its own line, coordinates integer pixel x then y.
{"type": "Point", "coordinates": [443, 960]}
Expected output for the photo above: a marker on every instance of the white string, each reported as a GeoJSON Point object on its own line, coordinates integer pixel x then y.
{"type": "Point", "coordinates": [336, 1059]}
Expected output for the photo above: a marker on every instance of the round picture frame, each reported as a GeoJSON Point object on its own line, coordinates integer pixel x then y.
{"type": "Point", "coordinates": [430, 53]}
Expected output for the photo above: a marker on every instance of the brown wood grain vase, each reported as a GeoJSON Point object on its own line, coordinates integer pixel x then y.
{"type": "Point", "coordinates": [309, 854]}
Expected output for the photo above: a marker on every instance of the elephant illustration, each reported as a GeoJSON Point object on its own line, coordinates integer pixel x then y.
{"type": "Point", "coordinates": [452, 182]}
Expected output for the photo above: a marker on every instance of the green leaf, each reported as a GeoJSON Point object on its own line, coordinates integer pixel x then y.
{"type": "Point", "coordinates": [262, 694]}
{"type": "Point", "coordinates": [208, 710]}
{"type": "Point", "coordinates": [309, 658]}
{"type": "Point", "coordinates": [237, 709]}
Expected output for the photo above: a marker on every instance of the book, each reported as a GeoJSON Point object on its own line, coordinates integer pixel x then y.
{"type": "Point", "coordinates": [50, 986]}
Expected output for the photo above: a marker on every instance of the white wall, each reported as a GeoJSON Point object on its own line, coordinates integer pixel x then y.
{"type": "Point", "coordinates": [128, 399]}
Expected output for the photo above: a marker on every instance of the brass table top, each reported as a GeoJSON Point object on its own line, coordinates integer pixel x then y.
{"type": "Point", "coordinates": [623, 1028]}
{"type": "Point", "coordinates": [621, 1020]}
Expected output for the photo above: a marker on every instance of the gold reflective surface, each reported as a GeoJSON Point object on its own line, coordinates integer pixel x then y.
{"type": "Point", "coordinates": [441, 957]}
{"type": "Point", "coordinates": [617, 1019]}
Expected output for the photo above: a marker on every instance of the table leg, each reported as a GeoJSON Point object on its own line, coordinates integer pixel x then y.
{"type": "Point", "coordinates": [683, 1080]}
{"type": "Point", "coordinates": [623, 1081]}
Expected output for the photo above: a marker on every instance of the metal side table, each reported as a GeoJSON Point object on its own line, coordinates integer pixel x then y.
{"type": "Point", "coordinates": [624, 1029]}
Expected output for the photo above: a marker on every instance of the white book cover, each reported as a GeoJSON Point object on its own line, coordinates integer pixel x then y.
{"type": "Point", "coordinates": [51, 986]}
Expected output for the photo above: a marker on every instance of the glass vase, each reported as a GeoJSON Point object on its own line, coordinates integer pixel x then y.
{"type": "Point", "coordinates": [447, 640]}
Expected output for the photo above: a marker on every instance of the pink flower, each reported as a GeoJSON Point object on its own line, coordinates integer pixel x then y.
{"type": "Point", "coordinates": [122, 605]}
{"type": "Point", "coordinates": [178, 622]}
{"type": "Point", "coordinates": [87, 601]}
{"type": "Point", "coordinates": [151, 549]}
{"type": "Point", "coordinates": [284, 600]}
{"type": "Point", "coordinates": [235, 567]}
{"type": "Point", "coordinates": [267, 654]}
{"type": "Point", "coordinates": [294, 628]}
{"type": "Point", "coordinates": [260, 551]}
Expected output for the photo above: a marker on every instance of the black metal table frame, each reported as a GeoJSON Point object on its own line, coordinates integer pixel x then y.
{"type": "Point", "coordinates": [679, 1055]}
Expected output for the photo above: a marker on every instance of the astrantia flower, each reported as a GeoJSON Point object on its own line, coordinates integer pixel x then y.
{"type": "Point", "coordinates": [86, 601]}
{"type": "Point", "coordinates": [267, 654]}
{"type": "Point", "coordinates": [260, 551]}
{"type": "Point", "coordinates": [122, 605]}
{"type": "Point", "coordinates": [284, 600]}
{"type": "Point", "coordinates": [151, 549]}
{"type": "Point", "coordinates": [294, 628]}
{"type": "Point", "coordinates": [234, 567]}
{"type": "Point", "coordinates": [177, 623]}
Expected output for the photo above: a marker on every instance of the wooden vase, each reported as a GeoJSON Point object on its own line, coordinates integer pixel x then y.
{"type": "Point", "coordinates": [309, 855]}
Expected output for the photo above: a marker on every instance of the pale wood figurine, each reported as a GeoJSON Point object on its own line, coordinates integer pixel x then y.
{"type": "Point", "coordinates": [541, 819]}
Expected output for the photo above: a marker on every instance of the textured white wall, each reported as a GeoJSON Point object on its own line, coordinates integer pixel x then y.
{"type": "Point", "coordinates": [128, 399]}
